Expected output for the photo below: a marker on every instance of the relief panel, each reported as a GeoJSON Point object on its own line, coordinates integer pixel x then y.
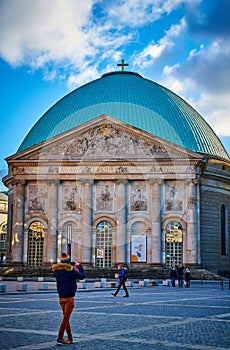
{"type": "Point", "coordinates": [70, 198]}
{"type": "Point", "coordinates": [104, 198]}
{"type": "Point", "coordinates": [108, 139]}
{"type": "Point", "coordinates": [37, 197]}
{"type": "Point", "coordinates": [173, 196]}
{"type": "Point", "coordinates": [138, 198]}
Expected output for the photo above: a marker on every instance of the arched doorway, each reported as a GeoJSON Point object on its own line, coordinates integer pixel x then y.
{"type": "Point", "coordinates": [173, 244]}
{"type": "Point", "coordinates": [104, 244]}
{"type": "Point", "coordinates": [35, 243]}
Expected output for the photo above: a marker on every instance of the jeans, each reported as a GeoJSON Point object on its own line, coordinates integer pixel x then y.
{"type": "Point", "coordinates": [180, 281]}
{"type": "Point", "coordinates": [67, 305]}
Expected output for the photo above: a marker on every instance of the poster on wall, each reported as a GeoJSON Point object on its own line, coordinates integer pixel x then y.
{"type": "Point", "coordinates": [100, 253]}
{"type": "Point", "coordinates": [138, 248]}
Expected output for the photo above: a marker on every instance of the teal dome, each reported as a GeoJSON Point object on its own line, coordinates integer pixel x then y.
{"type": "Point", "coordinates": [134, 100]}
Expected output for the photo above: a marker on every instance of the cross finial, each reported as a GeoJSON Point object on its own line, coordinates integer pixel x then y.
{"type": "Point", "coordinates": [122, 64]}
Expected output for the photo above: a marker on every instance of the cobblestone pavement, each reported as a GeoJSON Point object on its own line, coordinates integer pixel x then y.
{"type": "Point", "coordinates": [152, 318]}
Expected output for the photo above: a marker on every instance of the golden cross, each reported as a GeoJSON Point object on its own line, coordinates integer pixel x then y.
{"type": "Point", "coordinates": [122, 64]}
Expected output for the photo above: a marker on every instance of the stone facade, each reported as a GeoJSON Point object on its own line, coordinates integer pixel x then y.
{"type": "Point", "coordinates": [215, 189]}
{"type": "Point", "coordinates": [3, 226]}
{"type": "Point", "coordinates": [107, 192]}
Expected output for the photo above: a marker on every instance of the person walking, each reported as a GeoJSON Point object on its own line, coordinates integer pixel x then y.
{"type": "Point", "coordinates": [122, 277]}
{"type": "Point", "coordinates": [187, 277]}
{"type": "Point", "coordinates": [173, 276]}
{"type": "Point", "coordinates": [66, 276]}
{"type": "Point", "coordinates": [180, 274]}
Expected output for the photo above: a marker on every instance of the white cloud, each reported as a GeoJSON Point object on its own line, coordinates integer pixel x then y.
{"type": "Point", "coordinates": [82, 78]}
{"type": "Point", "coordinates": [135, 13]}
{"type": "Point", "coordinates": [58, 36]}
{"type": "Point", "coordinates": [35, 32]}
{"type": "Point", "coordinates": [69, 42]}
{"type": "Point", "coordinates": [155, 50]}
{"type": "Point", "coordinates": [204, 85]}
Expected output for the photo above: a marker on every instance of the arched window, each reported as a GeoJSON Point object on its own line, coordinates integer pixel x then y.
{"type": "Point", "coordinates": [67, 234]}
{"type": "Point", "coordinates": [223, 216]}
{"type": "Point", "coordinates": [104, 244]}
{"type": "Point", "coordinates": [35, 244]}
{"type": "Point", "coordinates": [174, 244]}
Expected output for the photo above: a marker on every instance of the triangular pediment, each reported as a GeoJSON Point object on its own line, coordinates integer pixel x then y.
{"type": "Point", "coordinates": [104, 138]}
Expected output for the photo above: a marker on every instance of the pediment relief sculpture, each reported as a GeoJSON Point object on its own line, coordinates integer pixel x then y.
{"type": "Point", "coordinates": [105, 140]}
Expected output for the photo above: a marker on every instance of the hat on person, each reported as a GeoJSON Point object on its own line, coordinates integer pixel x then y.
{"type": "Point", "coordinates": [120, 265]}
{"type": "Point", "coordinates": [65, 258]}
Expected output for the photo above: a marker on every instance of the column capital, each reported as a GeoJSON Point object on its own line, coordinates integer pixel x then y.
{"type": "Point", "coordinates": [87, 181]}
{"type": "Point", "coordinates": [122, 181]}
{"type": "Point", "coordinates": [153, 181]}
{"type": "Point", "coordinates": [193, 181]}
{"type": "Point", "coordinates": [16, 182]}
{"type": "Point", "coordinates": [51, 182]}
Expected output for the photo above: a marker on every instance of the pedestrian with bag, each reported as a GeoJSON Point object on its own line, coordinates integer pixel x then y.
{"type": "Point", "coordinates": [66, 276]}
{"type": "Point", "coordinates": [122, 277]}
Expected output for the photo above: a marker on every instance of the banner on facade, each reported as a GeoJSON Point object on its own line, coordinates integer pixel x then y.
{"type": "Point", "coordinates": [138, 248]}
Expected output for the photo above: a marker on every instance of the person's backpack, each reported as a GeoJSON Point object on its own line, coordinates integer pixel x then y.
{"type": "Point", "coordinates": [125, 276]}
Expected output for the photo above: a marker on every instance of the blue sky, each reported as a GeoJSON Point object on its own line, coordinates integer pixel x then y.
{"type": "Point", "coordinates": [50, 47]}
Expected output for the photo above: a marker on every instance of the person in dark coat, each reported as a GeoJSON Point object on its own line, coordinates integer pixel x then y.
{"type": "Point", "coordinates": [66, 276]}
{"type": "Point", "coordinates": [187, 277]}
{"type": "Point", "coordinates": [180, 274]}
{"type": "Point", "coordinates": [173, 276]}
{"type": "Point", "coordinates": [122, 279]}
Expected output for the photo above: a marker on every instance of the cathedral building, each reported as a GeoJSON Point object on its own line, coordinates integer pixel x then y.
{"type": "Point", "coordinates": [120, 170]}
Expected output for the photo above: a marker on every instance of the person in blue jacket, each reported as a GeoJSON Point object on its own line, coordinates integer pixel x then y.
{"type": "Point", "coordinates": [66, 276]}
{"type": "Point", "coordinates": [122, 279]}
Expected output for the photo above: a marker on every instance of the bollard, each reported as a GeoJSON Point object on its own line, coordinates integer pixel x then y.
{"type": "Point", "coordinates": [22, 287]}
{"type": "Point", "coordinates": [2, 288]}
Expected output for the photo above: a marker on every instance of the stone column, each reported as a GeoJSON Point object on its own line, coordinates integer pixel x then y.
{"type": "Point", "coordinates": [18, 222]}
{"type": "Point", "coordinates": [52, 253]}
{"type": "Point", "coordinates": [155, 210]}
{"type": "Point", "coordinates": [94, 242]}
{"type": "Point", "coordinates": [86, 242]}
{"type": "Point", "coordinates": [191, 241]}
{"type": "Point", "coordinates": [121, 241]}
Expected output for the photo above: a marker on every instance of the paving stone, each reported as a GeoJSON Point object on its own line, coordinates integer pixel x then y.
{"type": "Point", "coordinates": [153, 318]}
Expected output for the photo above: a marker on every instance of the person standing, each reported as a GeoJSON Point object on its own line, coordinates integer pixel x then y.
{"type": "Point", "coordinates": [180, 274]}
{"type": "Point", "coordinates": [66, 276]}
{"type": "Point", "coordinates": [122, 279]}
{"type": "Point", "coordinates": [173, 276]}
{"type": "Point", "coordinates": [187, 277]}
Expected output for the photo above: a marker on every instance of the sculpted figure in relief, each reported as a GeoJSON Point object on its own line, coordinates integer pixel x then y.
{"type": "Point", "coordinates": [104, 198]}
{"type": "Point", "coordinates": [37, 198]}
{"type": "Point", "coordinates": [173, 196]}
{"type": "Point", "coordinates": [70, 197]}
{"type": "Point", "coordinates": [138, 199]}
{"type": "Point", "coordinates": [109, 140]}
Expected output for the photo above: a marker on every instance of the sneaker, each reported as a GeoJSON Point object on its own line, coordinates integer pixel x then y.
{"type": "Point", "coordinates": [126, 296]}
{"type": "Point", "coordinates": [113, 294]}
{"type": "Point", "coordinates": [63, 342]}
